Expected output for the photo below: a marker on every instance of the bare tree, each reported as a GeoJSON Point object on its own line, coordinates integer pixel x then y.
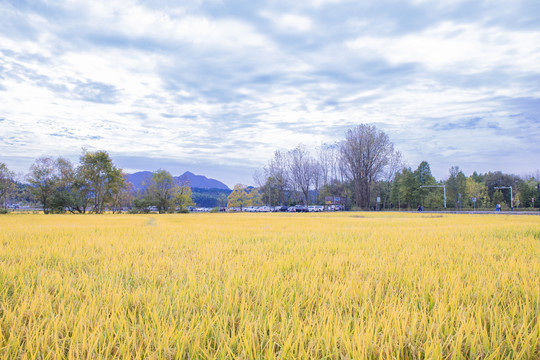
{"type": "Point", "coordinates": [317, 178]}
{"type": "Point", "coordinates": [262, 180]}
{"type": "Point", "coordinates": [365, 153]}
{"type": "Point", "coordinates": [300, 171]}
{"type": "Point", "coordinates": [329, 161]}
{"type": "Point", "coordinates": [277, 170]}
{"type": "Point", "coordinates": [395, 164]}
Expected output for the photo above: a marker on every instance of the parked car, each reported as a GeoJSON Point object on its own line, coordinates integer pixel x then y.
{"type": "Point", "coordinates": [301, 208]}
{"type": "Point", "coordinates": [336, 208]}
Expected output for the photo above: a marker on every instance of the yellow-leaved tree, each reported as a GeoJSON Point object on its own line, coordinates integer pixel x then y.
{"type": "Point", "coordinates": [183, 197]}
{"type": "Point", "coordinates": [238, 198]}
{"type": "Point", "coordinates": [478, 191]}
{"type": "Point", "coordinates": [253, 197]}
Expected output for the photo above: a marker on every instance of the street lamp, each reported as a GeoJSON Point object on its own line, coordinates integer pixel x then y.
{"type": "Point", "coordinates": [438, 186]}
{"type": "Point", "coordinates": [511, 197]}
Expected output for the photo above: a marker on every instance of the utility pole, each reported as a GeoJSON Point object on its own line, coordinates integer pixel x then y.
{"type": "Point", "coordinates": [437, 186]}
{"type": "Point", "coordinates": [511, 196]}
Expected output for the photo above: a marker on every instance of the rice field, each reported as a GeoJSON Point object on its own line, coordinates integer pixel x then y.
{"type": "Point", "coordinates": [270, 286]}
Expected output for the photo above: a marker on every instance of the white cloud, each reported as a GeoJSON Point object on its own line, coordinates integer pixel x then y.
{"type": "Point", "coordinates": [320, 3]}
{"type": "Point", "coordinates": [470, 48]}
{"type": "Point", "coordinates": [289, 22]}
{"type": "Point", "coordinates": [439, 3]}
{"type": "Point", "coordinates": [133, 20]}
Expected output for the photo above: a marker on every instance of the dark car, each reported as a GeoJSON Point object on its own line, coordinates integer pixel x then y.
{"type": "Point", "coordinates": [301, 208]}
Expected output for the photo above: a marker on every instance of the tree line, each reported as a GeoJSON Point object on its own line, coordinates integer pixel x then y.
{"type": "Point", "coordinates": [481, 191]}
{"type": "Point", "coordinates": [93, 185]}
{"type": "Point", "coordinates": [365, 169]}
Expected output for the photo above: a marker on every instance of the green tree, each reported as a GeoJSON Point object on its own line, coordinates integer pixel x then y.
{"type": "Point", "coordinates": [434, 198]}
{"type": "Point", "coordinates": [100, 179]}
{"type": "Point", "coordinates": [526, 191]}
{"type": "Point", "coordinates": [43, 178]}
{"type": "Point", "coordinates": [423, 177]}
{"type": "Point", "coordinates": [381, 189]}
{"type": "Point", "coordinates": [142, 205]}
{"type": "Point", "coordinates": [122, 195]}
{"type": "Point", "coordinates": [455, 185]}
{"type": "Point", "coordinates": [479, 178]}
{"type": "Point", "coordinates": [238, 197]}
{"type": "Point", "coordinates": [54, 184]}
{"type": "Point", "coordinates": [395, 195]}
{"type": "Point", "coordinates": [498, 198]}
{"type": "Point", "coordinates": [408, 188]}
{"type": "Point", "coordinates": [493, 180]}
{"type": "Point", "coordinates": [162, 190]}
{"type": "Point", "coordinates": [69, 193]}
{"type": "Point", "coordinates": [404, 189]}
{"type": "Point", "coordinates": [7, 184]}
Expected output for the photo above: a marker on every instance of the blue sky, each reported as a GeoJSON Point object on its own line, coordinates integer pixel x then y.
{"type": "Point", "coordinates": [214, 87]}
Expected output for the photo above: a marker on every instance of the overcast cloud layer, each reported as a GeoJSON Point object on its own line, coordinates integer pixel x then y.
{"type": "Point", "coordinates": [215, 87]}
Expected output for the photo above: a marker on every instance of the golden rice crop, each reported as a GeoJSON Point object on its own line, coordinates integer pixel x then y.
{"type": "Point", "coordinates": [270, 286]}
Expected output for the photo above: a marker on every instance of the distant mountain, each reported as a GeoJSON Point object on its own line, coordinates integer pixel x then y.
{"type": "Point", "coordinates": [195, 181]}
{"type": "Point", "coordinates": [137, 179]}
{"type": "Point", "coordinates": [202, 182]}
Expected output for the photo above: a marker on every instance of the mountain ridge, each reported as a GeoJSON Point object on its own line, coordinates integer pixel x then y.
{"type": "Point", "coordinates": [138, 179]}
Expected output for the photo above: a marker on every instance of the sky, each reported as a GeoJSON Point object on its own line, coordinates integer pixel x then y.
{"type": "Point", "coordinates": [215, 87]}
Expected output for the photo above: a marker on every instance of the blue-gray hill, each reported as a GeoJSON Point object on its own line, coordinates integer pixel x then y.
{"type": "Point", "coordinates": [196, 181]}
